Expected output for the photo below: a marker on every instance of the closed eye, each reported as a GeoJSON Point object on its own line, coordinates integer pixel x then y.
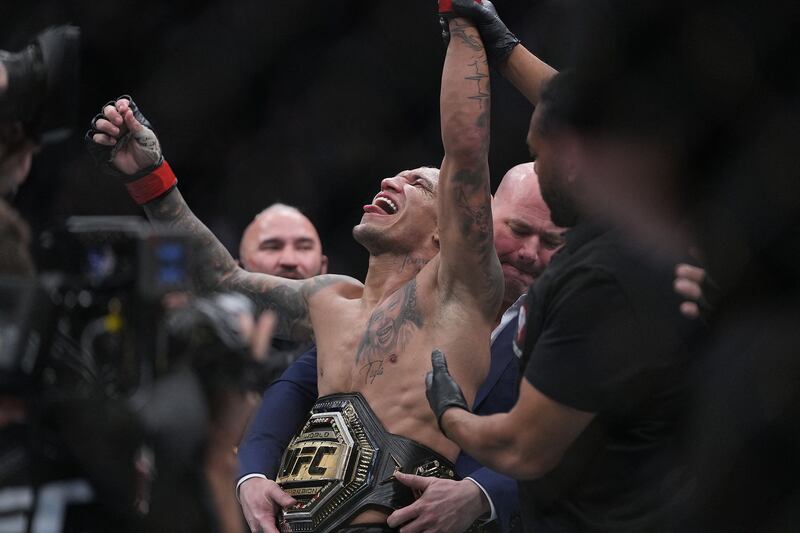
{"type": "Point", "coordinates": [423, 184]}
{"type": "Point", "coordinates": [271, 244]}
{"type": "Point", "coordinates": [520, 230]}
{"type": "Point", "coordinates": [552, 241]}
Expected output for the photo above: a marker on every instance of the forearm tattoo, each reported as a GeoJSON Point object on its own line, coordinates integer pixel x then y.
{"type": "Point", "coordinates": [481, 95]}
{"type": "Point", "coordinates": [215, 269]}
{"type": "Point", "coordinates": [212, 261]}
{"type": "Point", "coordinates": [468, 198]}
{"type": "Point", "coordinates": [459, 31]}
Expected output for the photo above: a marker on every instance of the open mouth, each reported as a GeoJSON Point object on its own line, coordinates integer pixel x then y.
{"type": "Point", "coordinates": [385, 204]}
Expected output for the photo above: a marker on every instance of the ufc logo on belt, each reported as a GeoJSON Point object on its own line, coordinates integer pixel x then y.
{"type": "Point", "coordinates": [311, 455]}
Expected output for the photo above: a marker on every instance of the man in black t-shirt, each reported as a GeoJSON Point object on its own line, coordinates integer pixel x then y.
{"type": "Point", "coordinates": [593, 437]}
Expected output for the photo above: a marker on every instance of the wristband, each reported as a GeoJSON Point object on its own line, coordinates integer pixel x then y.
{"type": "Point", "coordinates": [155, 184]}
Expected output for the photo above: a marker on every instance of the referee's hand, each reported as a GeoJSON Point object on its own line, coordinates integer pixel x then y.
{"type": "Point", "coordinates": [441, 389]}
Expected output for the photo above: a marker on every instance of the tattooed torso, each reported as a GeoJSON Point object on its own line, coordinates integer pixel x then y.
{"type": "Point", "coordinates": [362, 348]}
{"type": "Point", "coordinates": [388, 331]}
{"type": "Point", "coordinates": [384, 351]}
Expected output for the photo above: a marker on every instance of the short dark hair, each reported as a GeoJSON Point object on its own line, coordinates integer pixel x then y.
{"type": "Point", "coordinates": [563, 105]}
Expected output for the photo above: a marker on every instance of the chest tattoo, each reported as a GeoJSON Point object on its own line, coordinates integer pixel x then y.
{"type": "Point", "coordinates": [389, 329]}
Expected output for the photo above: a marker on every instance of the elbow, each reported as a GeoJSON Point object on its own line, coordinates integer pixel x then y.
{"type": "Point", "coordinates": [469, 146]}
{"type": "Point", "coordinates": [526, 464]}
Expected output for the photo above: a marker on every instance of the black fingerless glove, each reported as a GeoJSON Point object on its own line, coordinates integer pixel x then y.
{"type": "Point", "coordinates": [103, 154]}
{"type": "Point", "coordinates": [441, 389]}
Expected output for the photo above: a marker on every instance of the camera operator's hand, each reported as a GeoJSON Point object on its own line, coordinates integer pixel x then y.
{"type": "Point", "coordinates": [261, 501]}
{"type": "Point", "coordinates": [122, 141]}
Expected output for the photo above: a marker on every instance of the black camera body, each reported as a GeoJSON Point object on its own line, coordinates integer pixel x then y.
{"type": "Point", "coordinates": [26, 323]}
{"type": "Point", "coordinates": [99, 295]}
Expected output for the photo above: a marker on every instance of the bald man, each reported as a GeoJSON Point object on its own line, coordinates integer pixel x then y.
{"type": "Point", "coordinates": [525, 239]}
{"type": "Point", "coordinates": [282, 241]}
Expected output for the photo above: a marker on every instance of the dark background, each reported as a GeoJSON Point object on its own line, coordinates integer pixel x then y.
{"type": "Point", "coordinates": [307, 103]}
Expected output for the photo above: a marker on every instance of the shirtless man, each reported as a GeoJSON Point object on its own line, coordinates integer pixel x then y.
{"type": "Point", "coordinates": [434, 280]}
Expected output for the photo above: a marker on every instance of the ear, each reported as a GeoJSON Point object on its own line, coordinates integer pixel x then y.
{"type": "Point", "coordinates": [323, 266]}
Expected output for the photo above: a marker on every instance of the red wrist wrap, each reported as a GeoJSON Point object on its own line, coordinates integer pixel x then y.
{"type": "Point", "coordinates": [446, 6]}
{"type": "Point", "coordinates": [153, 185]}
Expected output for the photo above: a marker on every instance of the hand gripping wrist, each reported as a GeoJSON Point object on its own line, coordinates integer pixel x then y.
{"type": "Point", "coordinates": [441, 389]}
{"type": "Point", "coordinates": [497, 38]}
{"type": "Point", "coordinates": [445, 14]}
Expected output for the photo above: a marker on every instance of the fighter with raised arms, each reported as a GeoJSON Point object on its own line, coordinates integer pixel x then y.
{"type": "Point", "coordinates": [434, 281]}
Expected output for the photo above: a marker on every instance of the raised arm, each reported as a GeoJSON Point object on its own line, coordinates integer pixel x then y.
{"type": "Point", "coordinates": [469, 267]}
{"type": "Point", "coordinates": [124, 145]}
{"type": "Point", "coordinates": [524, 70]}
{"type": "Point", "coordinates": [527, 73]}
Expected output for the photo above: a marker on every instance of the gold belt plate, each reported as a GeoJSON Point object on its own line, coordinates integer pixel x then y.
{"type": "Point", "coordinates": [324, 466]}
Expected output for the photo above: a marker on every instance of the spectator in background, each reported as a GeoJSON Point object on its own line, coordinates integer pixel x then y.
{"type": "Point", "coordinates": [283, 242]}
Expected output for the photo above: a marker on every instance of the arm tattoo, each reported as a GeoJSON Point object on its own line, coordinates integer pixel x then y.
{"type": "Point", "coordinates": [481, 96]}
{"type": "Point", "coordinates": [389, 329]}
{"type": "Point", "coordinates": [291, 311]}
{"type": "Point", "coordinates": [465, 201]}
{"type": "Point", "coordinates": [214, 269]}
{"type": "Point", "coordinates": [212, 262]}
{"type": "Point", "coordinates": [470, 40]}
{"type": "Point", "coordinates": [288, 299]}
{"type": "Point", "coordinates": [476, 227]}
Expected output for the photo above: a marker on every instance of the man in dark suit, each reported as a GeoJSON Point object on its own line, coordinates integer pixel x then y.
{"type": "Point", "coordinates": [525, 239]}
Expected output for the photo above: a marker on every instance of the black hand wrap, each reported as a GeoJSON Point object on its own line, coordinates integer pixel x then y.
{"type": "Point", "coordinates": [441, 389]}
{"type": "Point", "coordinates": [497, 38]}
{"type": "Point", "coordinates": [103, 154]}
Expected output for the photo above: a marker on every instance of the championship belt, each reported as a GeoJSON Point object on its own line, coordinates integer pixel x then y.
{"type": "Point", "coordinates": [343, 460]}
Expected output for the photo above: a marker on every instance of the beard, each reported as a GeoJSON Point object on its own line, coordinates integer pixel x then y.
{"type": "Point", "coordinates": [556, 194]}
{"type": "Point", "coordinates": [373, 239]}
